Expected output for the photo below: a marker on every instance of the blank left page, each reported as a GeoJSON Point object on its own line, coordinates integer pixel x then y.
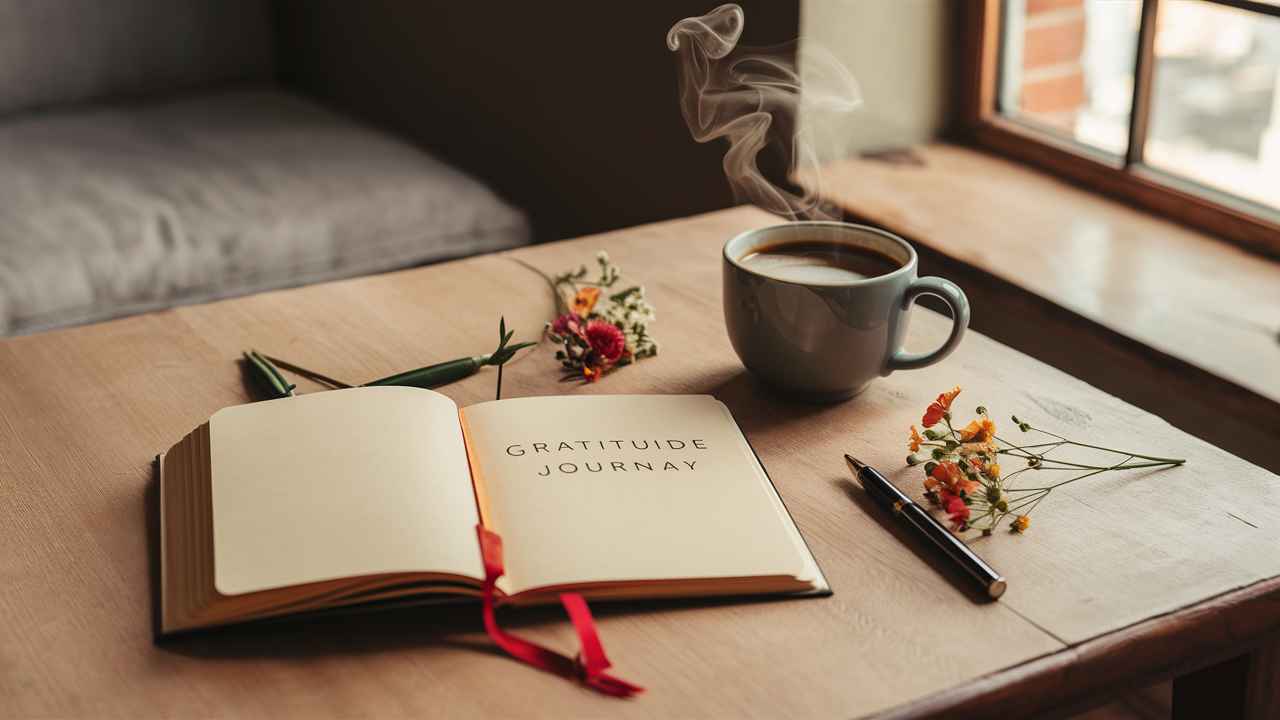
{"type": "Point", "coordinates": [338, 484]}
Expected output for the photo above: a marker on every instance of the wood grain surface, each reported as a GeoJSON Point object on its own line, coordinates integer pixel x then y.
{"type": "Point", "coordinates": [84, 411]}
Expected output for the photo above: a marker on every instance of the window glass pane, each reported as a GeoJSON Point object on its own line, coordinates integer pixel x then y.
{"type": "Point", "coordinates": [1215, 106]}
{"type": "Point", "coordinates": [1067, 65]}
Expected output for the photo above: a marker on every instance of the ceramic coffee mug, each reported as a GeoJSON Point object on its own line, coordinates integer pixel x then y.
{"type": "Point", "coordinates": [827, 340]}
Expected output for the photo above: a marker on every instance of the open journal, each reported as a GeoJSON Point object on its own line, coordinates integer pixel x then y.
{"type": "Point", "coordinates": [367, 495]}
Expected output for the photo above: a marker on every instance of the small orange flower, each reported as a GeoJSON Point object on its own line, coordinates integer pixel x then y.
{"type": "Point", "coordinates": [993, 471]}
{"type": "Point", "coordinates": [982, 430]}
{"type": "Point", "coordinates": [914, 444]}
{"type": "Point", "coordinates": [1021, 523]}
{"type": "Point", "coordinates": [938, 408]}
{"type": "Point", "coordinates": [977, 463]}
{"type": "Point", "coordinates": [585, 301]}
{"type": "Point", "coordinates": [948, 477]}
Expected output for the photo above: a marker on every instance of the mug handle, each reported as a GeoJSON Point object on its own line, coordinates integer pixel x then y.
{"type": "Point", "coordinates": [954, 297]}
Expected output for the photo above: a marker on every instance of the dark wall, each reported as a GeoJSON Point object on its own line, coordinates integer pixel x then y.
{"type": "Point", "coordinates": [568, 109]}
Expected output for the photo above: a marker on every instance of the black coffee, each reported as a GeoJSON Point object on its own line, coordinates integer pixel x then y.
{"type": "Point", "coordinates": [816, 261]}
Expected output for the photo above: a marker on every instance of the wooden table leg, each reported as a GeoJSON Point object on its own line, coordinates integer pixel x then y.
{"type": "Point", "coordinates": [1262, 696]}
{"type": "Point", "coordinates": [1245, 687]}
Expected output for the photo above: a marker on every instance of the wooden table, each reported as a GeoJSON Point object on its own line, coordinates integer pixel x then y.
{"type": "Point", "coordinates": [1122, 579]}
{"type": "Point", "coordinates": [1160, 315]}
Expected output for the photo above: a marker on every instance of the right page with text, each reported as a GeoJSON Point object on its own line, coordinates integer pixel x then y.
{"type": "Point", "coordinates": [626, 488]}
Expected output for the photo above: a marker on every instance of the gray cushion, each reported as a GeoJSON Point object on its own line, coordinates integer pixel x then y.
{"type": "Point", "coordinates": [123, 209]}
{"type": "Point", "coordinates": [55, 52]}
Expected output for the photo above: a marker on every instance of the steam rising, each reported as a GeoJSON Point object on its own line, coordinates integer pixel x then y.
{"type": "Point", "coordinates": [752, 97]}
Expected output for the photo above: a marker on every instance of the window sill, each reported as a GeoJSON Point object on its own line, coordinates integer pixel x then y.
{"type": "Point", "coordinates": [1173, 297]}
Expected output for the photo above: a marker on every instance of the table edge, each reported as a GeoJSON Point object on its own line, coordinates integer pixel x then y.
{"type": "Point", "coordinates": [1092, 671]}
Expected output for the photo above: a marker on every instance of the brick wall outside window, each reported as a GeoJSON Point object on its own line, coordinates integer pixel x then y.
{"type": "Point", "coordinates": [1051, 82]}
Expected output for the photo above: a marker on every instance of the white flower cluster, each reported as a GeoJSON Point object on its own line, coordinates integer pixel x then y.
{"type": "Point", "coordinates": [630, 310]}
{"type": "Point", "coordinates": [609, 273]}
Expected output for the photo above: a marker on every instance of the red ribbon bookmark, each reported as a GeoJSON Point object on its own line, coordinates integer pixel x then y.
{"type": "Point", "coordinates": [590, 664]}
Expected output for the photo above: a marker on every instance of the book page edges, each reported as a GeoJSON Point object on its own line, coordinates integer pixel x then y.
{"type": "Point", "coordinates": [166, 622]}
{"type": "Point", "coordinates": [188, 598]}
{"type": "Point", "coordinates": [813, 572]}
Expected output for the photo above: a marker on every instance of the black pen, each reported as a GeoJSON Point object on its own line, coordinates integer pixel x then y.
{"type": "Point", "coordinates": [888, 496]}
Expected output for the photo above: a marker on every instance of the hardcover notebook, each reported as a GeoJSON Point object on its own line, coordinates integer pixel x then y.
{"type": "Point", "coordinates": [347, 497]}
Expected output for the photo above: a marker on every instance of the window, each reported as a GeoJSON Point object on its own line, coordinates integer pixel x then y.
{"type": "Point", "coordinates": [1170, 104]}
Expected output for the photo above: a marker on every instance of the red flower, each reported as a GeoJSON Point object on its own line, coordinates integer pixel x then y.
{"type": "Point", "coordinates": [933, 415]}
{"type": "Point", "coordinates": [956, 509]}
{"type": "Point", "coordinates": [567, 324]}
{"type": "Point", "coordinates": [606, 340]}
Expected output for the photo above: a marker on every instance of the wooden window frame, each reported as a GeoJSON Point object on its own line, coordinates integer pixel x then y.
{"type": "Point", "coordinates": [1251, 225]}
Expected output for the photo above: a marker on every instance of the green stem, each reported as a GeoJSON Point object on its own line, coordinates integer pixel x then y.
{"type": "Point", "coordinates": [1162, 460]}
{"type": "Point", "coordinates": [1067, 465]}
{"type": "Point", "coordinates": [1117, 466]}
{"type": "Point", "coordinates": [1020, 503]}
{"type": "Point", "coordinates": [435, 375]}
{"type": "Point", "coordinates": [950, 430]}
{"type": "Point", "coordinates": [1064, 441]}
{"type": "Point", "coordinates": [1032, 504]}
{"type": "Point", "coordinates": [267, 375]}
{"type": "Point", "coordinates": [1035, 445]}
{"type": "Point", "coordinates": [1014, 446]}
{"type": "Point", "coordinates": [561, 306]}
{"type": "Point", "coordinates": [1005, 479]}
{"type": "Point", "coordinates": [1046, 432]}
{"type": "Point", "coordinates": [309, 374]}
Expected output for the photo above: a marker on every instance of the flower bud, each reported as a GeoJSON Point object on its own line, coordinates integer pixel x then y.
{"type": "Point", "coordinates": [931, 434]}
{"type": "Point", "coordinates": [913, 460]}
{"type": "Point", "coordinates": [982, 410]}
{"type": "Point", "coordinates": [929, 466]}
{"type": "Point", "coordinates": [938, 454]}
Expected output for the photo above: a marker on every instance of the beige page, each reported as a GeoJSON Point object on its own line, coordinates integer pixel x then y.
{"type": "Point", "coordinates": [340, 484]}
{"type": "Point", "coordinates": [580, 493]}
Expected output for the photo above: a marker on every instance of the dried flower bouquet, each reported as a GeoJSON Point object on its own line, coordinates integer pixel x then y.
{"type": "Point", "coordinates": [964, 477]}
